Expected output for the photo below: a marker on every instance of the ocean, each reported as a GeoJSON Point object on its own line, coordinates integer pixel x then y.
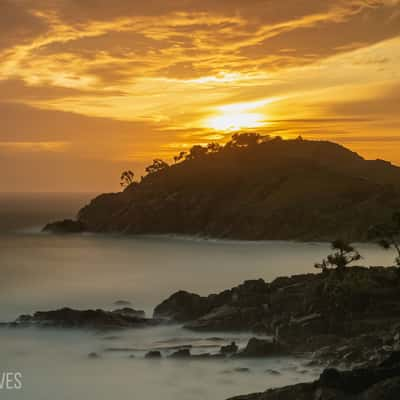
{"type": "Point", "coordinates": [41, 271]}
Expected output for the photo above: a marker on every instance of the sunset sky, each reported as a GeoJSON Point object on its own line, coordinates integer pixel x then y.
{"type": "Point", "coordinates": [91, 87]}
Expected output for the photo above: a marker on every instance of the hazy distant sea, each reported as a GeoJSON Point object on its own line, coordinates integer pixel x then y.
{"type": "Point", "coordinates": [41, 271]}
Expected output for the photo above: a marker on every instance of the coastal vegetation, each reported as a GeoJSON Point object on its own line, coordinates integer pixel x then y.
{"type": "Point", "coordinates": [253, 187]}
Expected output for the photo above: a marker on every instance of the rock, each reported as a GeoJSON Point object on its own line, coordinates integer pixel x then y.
{"type": "Point", "coordinates": [182, 306]}
{"type": "Point", "coordinates": [122, 303]}
{"type": "Point", "coordinates": [93, 355]}
{"type": "Point", "coordinates": [207, 356]}
{"type": "Point", "coordinates": [386, 390]}
{"type": "Point", "coordinates": [65, 226]}
{"type": "Point", "coordinates": [372, 383]}
{"type": "Point", "coordinates": [182, 353]}
{"type": "Point", "coordinates": [130, 312]}
{"type": "Point", "coordinates": [262, 348]}
{"type": "Point", "coordinates": [349, 318]}
{"type": "Point", "coordinates": [241, 369]}
{"type": "Point", "coordinates": [88, 319]}
{"type": "Point", "coordinates": [272, 372]}
{"type": "Point", "coordinates": [153, 354]}
{"type": "Point", "coordinates": [229, 349]}
{"type": "Point", "coordinates": [227, 317]}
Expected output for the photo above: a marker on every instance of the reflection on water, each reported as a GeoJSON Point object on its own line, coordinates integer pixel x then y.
{"type": "Point", "coordinates": [41, 271]}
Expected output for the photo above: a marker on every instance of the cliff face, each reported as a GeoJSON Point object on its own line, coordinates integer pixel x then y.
{"type": "Point", "coordinates": [278, 189]}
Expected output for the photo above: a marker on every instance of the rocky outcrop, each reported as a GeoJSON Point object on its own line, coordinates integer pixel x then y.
{"type": "Point", "coordinates": [240, 308]}
{"type": "Point", "coordinates": [88, 319]}
{"type": "Point", "coordinates": [345, 317]}
{"type": "Point", "coordinates": [153, 354]}
{"type": "Point", "coordinates": [262, 348]}
{"type": "Point", "coordinates": [278, 189]}
{"type": "Point", "coordinates": [380, 382]}
{"type": "Point", "coordinates": [181, 306]}
{"type": "Point", "coordinates": [65, 226]}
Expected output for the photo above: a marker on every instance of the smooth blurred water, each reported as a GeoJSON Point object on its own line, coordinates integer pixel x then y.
{"type": "Point", "coordinates": [41, 271]}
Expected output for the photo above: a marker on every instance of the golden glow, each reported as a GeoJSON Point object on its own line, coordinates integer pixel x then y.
{"type": "Point", "coordinates": [140, 81]}
{"type": "Point", "coordinates": [238, 116]}
{"type": "Point", "coordinates": [235, 122]}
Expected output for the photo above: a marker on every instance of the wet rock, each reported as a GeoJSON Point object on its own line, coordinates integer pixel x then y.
{"type": "Point", "coordinates": [207, 356]}
{"type": "Point", "coordinates": [272, 372]}
{"type": "Point", "coordinates": [181, 306]}
{"type": "Point", "coordinates": [153, 354]}
{"type": "Point", "coordinates": [262, 348]}
{"type": "Point", "coordinates": [241, 369]}
{"type": "Point", "coordinates": [130, 312]}
{"type": "Point", "coordinates": [182, 353]}
{"type": "Point", "coordinates": [227, 317]}
{"type": "Point", "coordinates": [229, 349]}
{"type": "Point", "coordinates": [372, 383]}
{"type": "Point", "coordinates": [65, 226]}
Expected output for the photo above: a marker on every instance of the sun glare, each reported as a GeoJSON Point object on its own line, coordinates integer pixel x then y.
{"type": "Point", "coordinates": [233, 122]}
{"type": "Point", "coordinates": [233, 117]}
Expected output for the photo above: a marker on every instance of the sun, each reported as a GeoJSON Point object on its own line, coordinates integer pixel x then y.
{"type": "Point", "coordinates": [237, 116]}
{"type": "Point", "coordinates": [234, 122]}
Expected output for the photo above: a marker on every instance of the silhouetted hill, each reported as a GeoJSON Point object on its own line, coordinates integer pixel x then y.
{"type": "Point", "coordinates": [254, 188]}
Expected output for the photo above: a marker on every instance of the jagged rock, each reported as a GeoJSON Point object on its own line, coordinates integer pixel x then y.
{"type": "Point", "coordinates": [153, 354]}
{"type": "Point", "coordinates": [226, 317]}
{"type": "Point", "coordinates": [229, 349]}
{"type": "Point", "coordinates": [181, 306]}
{"type": "Point", "coordinates": [182, 353]}
{"type": "Point", "coordinates": [372, 383]}
{"type": "Point", "coordinates": [347, 318]}
{"type": "Point", "coordinates": [65, 226]}
{"type": "Point", "coordinates": [262, 348]}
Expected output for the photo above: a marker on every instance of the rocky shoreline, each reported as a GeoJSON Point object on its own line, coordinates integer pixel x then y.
{"type": "Point", "coordinates": [381, 382]}
{"type": "Point", "coordinates": [338, 318]}
{"type": "Point", "coordinates": [347, 317]}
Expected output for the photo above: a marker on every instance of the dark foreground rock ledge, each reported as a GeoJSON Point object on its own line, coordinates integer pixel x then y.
{"type": "Point", "coordinates": [381, 382]}
{"type": "Point", "coordinates": [89, 319]}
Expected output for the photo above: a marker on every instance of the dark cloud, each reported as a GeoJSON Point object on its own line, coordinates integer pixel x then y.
{"type": "Point", "coordinates": [18, 90]}
{"type": "Point", "coordinates": [17, 24]}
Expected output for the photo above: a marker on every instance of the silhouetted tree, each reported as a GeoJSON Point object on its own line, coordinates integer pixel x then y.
{"type": "Point", "coordinates": [196, 151]}
{"type": "Point", "coordinates": [126, 178]}
{"type": "Point", "coordinates": [157, 166]}
{"type": "Point", "coordinates": [246, 139]}
{"type": "Point", "coordinates": [343, 255]}
{"type": "Point", "coordinates": [388, 235]}
{"type": "Point", "coordinates": [213, 147]}
{"type": "Point", "coordinates": [180, 156]}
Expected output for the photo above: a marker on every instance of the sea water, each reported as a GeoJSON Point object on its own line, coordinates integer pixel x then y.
{"type": "Point", "coordinates": [40, 271]}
